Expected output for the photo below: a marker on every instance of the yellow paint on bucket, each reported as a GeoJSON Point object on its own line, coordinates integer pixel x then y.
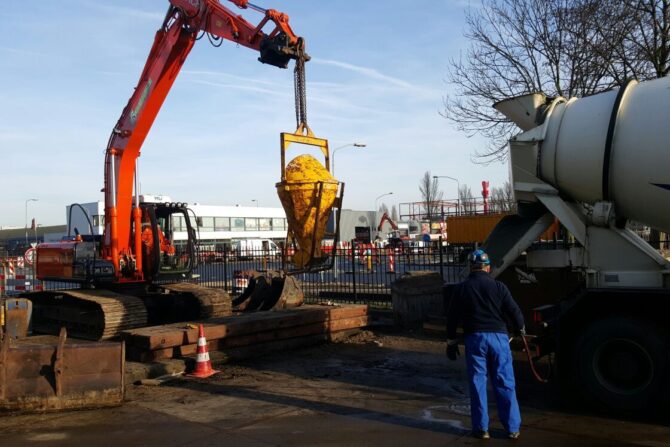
{"type": "Point", "coordinates": [307, 188]}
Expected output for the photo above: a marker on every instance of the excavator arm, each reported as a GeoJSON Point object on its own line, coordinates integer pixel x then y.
{"type": "Point", "coordinates": [386, 218]}
{"type": "Point", "coordinates": [185, 22]}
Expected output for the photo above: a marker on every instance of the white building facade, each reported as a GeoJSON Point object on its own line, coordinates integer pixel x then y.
{"type": "Point", "coordinates": [215, 224]}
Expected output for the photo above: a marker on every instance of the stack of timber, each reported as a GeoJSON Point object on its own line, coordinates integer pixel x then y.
{"type": "Point", "coordinates": [273, 330]}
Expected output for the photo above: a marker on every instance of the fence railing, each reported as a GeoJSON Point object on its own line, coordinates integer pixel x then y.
{"type": "Point", "coordinates": [361, 273]}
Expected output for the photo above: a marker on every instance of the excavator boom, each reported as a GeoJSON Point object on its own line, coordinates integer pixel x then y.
{"type": "Point", "coordinates": [184, 23]}
{"type": "Point", "coordinates": [136, 247]}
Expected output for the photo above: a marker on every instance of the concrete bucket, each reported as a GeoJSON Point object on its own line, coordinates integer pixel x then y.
{"type": "Point", "coordinates": [307, 193]}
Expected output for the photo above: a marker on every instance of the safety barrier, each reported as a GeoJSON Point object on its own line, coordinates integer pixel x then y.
{"type": "Point", "coordinates": [17, 277]}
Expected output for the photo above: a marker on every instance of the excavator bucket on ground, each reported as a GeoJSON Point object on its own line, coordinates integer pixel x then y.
{"type": "Point", "coordinates": [309, 194]}
{"type": "Point", "coordinates": [269, 290]}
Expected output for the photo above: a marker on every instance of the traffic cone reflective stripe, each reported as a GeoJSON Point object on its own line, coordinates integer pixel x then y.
{"type": "Point", "coordinates": [203, 365]}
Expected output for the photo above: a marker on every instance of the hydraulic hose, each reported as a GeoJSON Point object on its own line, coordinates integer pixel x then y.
{"type": "Point", "coordinates": [531, 362]}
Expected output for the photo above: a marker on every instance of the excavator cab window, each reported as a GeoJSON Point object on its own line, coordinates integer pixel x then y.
{"type": "Point", "coordinates": [167, 239]}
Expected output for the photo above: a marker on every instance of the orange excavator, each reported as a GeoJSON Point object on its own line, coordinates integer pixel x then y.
{"type": "Point", "coordinates": [395, 237]}
{"type": "Point", "coordinates": [129, 277]}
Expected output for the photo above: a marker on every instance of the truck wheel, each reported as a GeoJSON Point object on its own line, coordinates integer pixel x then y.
{"type": "Point", "coordinates": [621, 363]}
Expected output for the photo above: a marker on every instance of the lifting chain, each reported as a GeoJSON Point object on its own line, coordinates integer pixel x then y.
{"type": "Point", "coordinates": [300, 95]}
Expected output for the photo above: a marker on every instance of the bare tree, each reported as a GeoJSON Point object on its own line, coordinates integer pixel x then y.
{"type": "Point", "coordinates": [466, 199]}
{"type": "Point", "coordinates": [645, 39]}
{"type": "Point", "coordinates": [502, 198]}
{"type": "Point", "coordinates": [383, 208]}
{"type": "Point", "coordinates": [559, 47]}
{"type": "Point", "coordinates": [431, 194]}
{"type": "Point", "coordinates": [394, 213]}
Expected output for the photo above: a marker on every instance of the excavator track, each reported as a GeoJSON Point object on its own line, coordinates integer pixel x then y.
{"type": "Point", "coordinates": [100, 314]}
{"type": "Point", "coordinates": [94, 314]}
{"type": "Point", "coordinates": [212, 302]}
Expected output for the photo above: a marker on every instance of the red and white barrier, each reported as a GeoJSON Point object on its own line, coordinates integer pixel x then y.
{"type": "Point", "coordinates": [16, 277]}
{"type": "Point", "coordinates": [391, 257]}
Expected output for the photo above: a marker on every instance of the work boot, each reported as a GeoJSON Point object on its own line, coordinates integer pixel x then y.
{"type": "Point", "coordinates": [513, 435]}
{"type": "Point", "coordinates": [481, 434]}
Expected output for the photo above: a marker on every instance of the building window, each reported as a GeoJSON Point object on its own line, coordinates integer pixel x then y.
{"type": "Point", "coordinates": [222, 224]}
{"type": "Point", "coordinates": [207, 224]}
{"type": "Point", "coordinates": [278, 224]}
{"type": "Point", "coordinates": [264, 224]}
{"type": "Point", "coordinates": [237, 223]}
{"type": "Point", "coordinates": [251, 224]}
{"type": "Point", "coordinates": [98, 220]}
{"type": "Point", "coordinates": [178, 223]}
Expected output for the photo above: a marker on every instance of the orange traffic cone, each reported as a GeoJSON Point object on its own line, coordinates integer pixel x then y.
{"type": "Point", "coordinates": [203, 365]}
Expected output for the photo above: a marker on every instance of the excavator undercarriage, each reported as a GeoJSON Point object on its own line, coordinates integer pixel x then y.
{"type": "Point", "coordinates": [102, 314]}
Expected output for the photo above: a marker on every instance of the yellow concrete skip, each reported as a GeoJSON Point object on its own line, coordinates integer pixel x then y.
{"type": "Point", "coordinates": [307, 190]}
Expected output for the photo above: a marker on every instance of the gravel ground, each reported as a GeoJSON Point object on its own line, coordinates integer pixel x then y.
{"type": "Point", "coordinates": [373, 389]}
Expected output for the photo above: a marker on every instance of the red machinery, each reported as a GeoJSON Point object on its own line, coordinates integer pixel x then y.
{"type": "Point", "coordinates": [137, 246]}
{"type": "Point", "coordinates": [386, 218]}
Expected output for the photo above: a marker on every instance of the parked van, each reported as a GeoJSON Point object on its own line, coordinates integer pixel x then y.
{"type": "Point", "coordinates": [248, 248]}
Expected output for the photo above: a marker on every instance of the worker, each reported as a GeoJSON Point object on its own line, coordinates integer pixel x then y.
{"type": "Point", "coordinates": [485, 306]}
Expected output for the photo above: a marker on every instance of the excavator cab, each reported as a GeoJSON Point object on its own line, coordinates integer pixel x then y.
{"type": "Point", "coordinates": [167, 257]}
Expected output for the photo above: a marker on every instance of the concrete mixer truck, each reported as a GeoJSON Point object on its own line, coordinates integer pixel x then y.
{"type": "Point", "coordinates": [595, 164]}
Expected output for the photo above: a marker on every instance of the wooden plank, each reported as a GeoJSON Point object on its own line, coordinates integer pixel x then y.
{"type": "Point", "coordinates": [346, 324]}
{"type": "Point", "coordinates": [300, 331]}
{"type": "Point", "coordinates": [135, 354]}
{"type": "Point", "coordinates": [181, 351]}
{"type": "Point", "coordinates": [159, 337]}
{"type": "Point", "coordinates": [267, 336]}
{"type": "Point", "coordinates": [261, 349]}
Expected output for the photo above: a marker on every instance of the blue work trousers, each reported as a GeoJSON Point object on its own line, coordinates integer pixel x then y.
{"type": "Point", "coordinates": [490, 352]}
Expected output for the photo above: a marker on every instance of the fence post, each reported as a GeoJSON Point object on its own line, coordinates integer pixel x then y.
{"type": "Point", "coordinates": [353, 268]}
{"type": "Point", "coordinates": [335, 262]}
{"type": "Point", "coordinates": [441, 258]}
{"type": "Point", "coordinates": [225, 269]}
{"type": "Point", "coordinates": [3, 279]}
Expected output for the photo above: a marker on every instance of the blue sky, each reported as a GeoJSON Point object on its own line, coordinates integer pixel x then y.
{"type": "Point", "coordinates": [67, 69]}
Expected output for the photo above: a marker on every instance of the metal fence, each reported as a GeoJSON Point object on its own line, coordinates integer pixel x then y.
{"type": "Point", "coordinates": [362, 273]}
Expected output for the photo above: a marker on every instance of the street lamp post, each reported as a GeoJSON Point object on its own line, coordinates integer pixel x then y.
{"type": "Point", "coordinates": [28, 200]}
{"type": "Point", "coordinates": [377, 209]}
{"type": "Point", "coordinates": [458, 192]}
{"type": "Point", "coordinates": [332, 157]}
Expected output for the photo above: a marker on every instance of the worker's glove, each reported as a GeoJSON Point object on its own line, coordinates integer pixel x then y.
{"type": "Point", "coordinates": [522, 332]}
{"type": "Point", "coordinates": [452, 350]}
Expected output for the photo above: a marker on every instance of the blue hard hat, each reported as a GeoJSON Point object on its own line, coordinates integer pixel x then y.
{"type": "Point", "coordinates": [480, 257]}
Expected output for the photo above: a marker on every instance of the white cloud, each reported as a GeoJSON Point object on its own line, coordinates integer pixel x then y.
{"type": "Point", "coordinates": [369, 72]}
{"type": "Point", "coordinates": [125, 11]}
{"type": "Point", "coordinates": [16, 136]}
{"type": "Point", "coordinates": [21, 51]}
{"type": "Point", "coordinates": [197, 73]}
{"type": "Point", "coordinates": [240, 87]}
